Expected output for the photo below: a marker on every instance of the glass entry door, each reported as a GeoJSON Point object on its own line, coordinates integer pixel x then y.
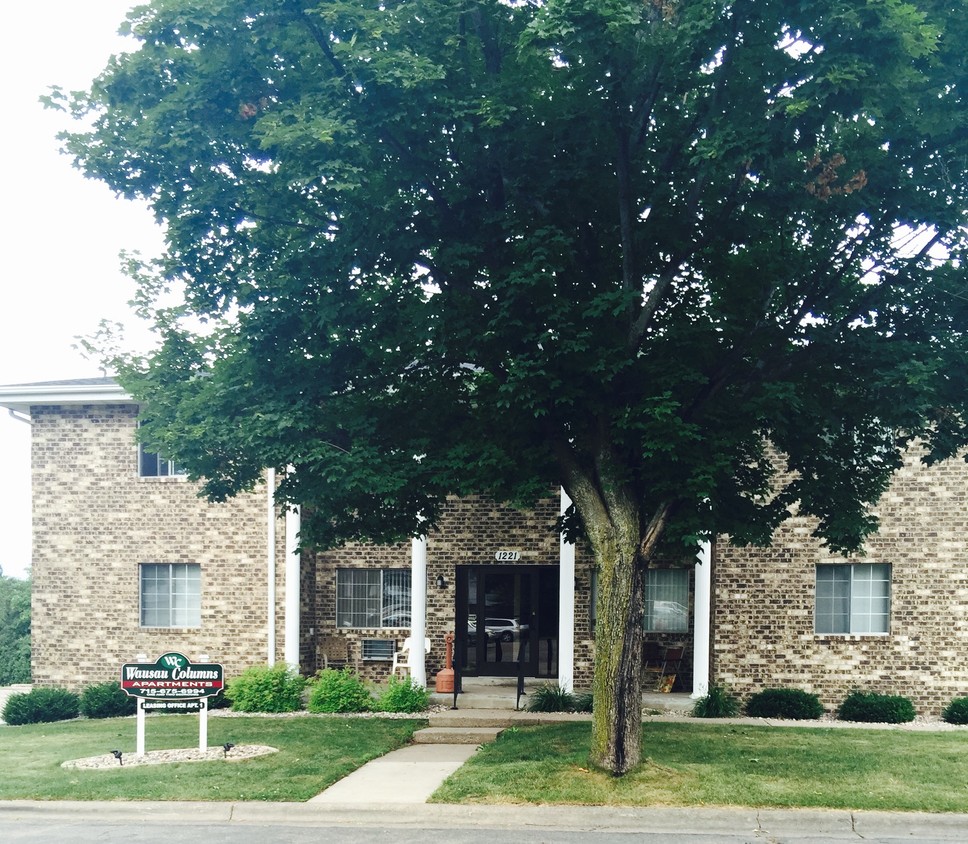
{"type": "Point", "coordinates": [507, 614]}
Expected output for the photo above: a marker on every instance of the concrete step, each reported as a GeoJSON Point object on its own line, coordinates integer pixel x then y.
{"type": "Point", "coordinates": [500, 718]}
{"type": "Point", "coordinates": [456, 735]}
{"type": "Point", "coordinates": [497, 699]}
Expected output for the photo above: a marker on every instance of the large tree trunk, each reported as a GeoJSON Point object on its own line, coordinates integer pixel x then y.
{"type": "Point", "coordinates": [622, 543]}
{"type": "Point", "coordinates": [617, 719]}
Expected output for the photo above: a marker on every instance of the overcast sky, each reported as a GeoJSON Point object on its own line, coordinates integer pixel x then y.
{"type": "Point", "coordinates": [60, 235]}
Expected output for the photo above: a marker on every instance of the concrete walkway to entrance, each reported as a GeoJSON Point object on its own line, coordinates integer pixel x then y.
{"type": "Point", "coordinates": [408, 775]}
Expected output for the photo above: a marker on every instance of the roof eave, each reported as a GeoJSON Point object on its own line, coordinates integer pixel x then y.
{"type": "Point", "coordinates": [22, 397]}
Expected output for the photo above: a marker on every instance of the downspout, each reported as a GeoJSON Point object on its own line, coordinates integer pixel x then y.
{"type": "Point", "coordinates": [18, 416]}
{"type": "Point", "coordinates": [271, 564]}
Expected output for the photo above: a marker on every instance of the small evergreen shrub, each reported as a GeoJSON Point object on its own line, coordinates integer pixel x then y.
{"type": "Point", "coordinates": [794, 704]}
{"type": "Point", "coordinates": [41, 705]}
{"type": "Point", "coordinates": [717, 703]}
{"type": "Point", "coordinates": [956, 712]}
{"type": "Point", "coordinates": [264, 689]}
{"type": "Point", "coordinates": [220, 701]}
{"type": "Point", "coordinates": [402, 696]}
{"type": "Point", "coordinates": [549, 698]}
{"type": "Point", "coordinates": [106, 700]}
{"type": "Point", "coordinates": [584, 702]}
{"type": "Point", "coordinates": [339, 691]}
{"type": "Point", "coordinates": [874, 708]}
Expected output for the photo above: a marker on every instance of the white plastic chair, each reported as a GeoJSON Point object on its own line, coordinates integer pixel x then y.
{"type": "Point", "coordinates": [401, 659]}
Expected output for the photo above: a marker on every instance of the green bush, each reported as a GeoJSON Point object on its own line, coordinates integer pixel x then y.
{"type": "Point", "coordinates": [40, 706]}
{"type": "Point", "coordinates": [716, 703]}
{"type": "Point", "coordinates": [402, 696]}
{"type": "Point", "coordinates": [339, 691]}
{"type": "Point", "coordinates": [956, 712]}
{"type": "Point", "coordinates": [584, 702]}
{"type": "Point", "coordinates": [795, 704]}
{"type": "Point", "coordinates": [106, 700]}
{"type": "Point", "coordinates": [264, 689]}
{"type": "Point", "coordinates": [550, 698]}
{"type": "Point", "coordinates": [220, 701]}
{"type": "Point", "coordinates": [874, 708]}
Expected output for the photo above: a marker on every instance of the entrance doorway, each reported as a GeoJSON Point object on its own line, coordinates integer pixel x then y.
{"type": "Point", "coordinates": [506, 615]}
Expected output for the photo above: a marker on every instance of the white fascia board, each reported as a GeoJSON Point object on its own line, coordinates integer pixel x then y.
{"type": "Point", "coordinates": [22, 397]}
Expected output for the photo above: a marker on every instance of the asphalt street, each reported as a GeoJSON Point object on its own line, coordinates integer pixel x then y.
{"type": "Point", "coordinates": [259, 823]}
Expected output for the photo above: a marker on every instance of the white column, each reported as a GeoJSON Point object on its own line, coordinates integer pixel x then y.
{"type": "Point", "coordinates": [566, 607]}
{"type": "Point", "coordinates": [271, 565]}
{"type": "Point", "coordinates": [418, 610]}
{"type": "Point", "coordinates": [293, 571]}
{"type": "Point", "coordinates": [703, 622]}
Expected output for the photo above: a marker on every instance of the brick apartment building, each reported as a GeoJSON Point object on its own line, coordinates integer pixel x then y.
{"type": "Point", "coordinates": [128, 559]}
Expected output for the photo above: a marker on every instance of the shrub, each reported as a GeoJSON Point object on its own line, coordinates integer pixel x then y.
{"type": "Point", "coordinates": [548, 698]}
{"type": "Point", "coordinates": [584, 702]}
{"type": "Point", "coordinates": [795, 704]}
{"type": "Point", "coordinates": [264, 689]}
{"type": "Point", "coordinates": [220, 701]}
{"type": "Point", "coordinates": [956, 712]}
{"type": "Point", "coordinates": [40, 706]}
{"type": "Point", "coordinates": [716, 703]}
{"type": "Point", "coordinates": [339, 691]}
{"type": "Point", "coordinates": [872, 707]}
{"type": "Point", "coordinates": [106, 700]}
{"type": "Point", "coordinates": [403, 696]}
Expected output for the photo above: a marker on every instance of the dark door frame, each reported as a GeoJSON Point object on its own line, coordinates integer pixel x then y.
{"type": "Point", "coordinates": [509, 667]}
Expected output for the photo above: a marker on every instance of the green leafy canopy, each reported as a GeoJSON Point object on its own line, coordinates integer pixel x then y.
{"type": "Point", "coordinates": [627, 247]}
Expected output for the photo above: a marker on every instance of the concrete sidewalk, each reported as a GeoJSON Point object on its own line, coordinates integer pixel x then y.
{"type": "Point", "coordinates": [408, 775]}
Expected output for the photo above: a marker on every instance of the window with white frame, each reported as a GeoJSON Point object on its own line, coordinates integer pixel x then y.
{"type": "Point", "coordinates": [151, 465]}
{"type": "Point", "coordinates": [171, 595]}
{"type": "Point", "coordinates": [853, 598]}
{"type": "Point", "coordinates": [667, 600]}
{"type": "Point", "coordinates": [373, 597]}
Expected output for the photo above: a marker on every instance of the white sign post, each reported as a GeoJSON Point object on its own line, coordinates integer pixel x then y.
{"type": "Point", "coordinates": [203, 726]}
{"type": "Point", "coordinates": [140, 728]}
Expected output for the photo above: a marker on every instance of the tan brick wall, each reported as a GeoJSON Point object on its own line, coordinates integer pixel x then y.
{"type": "Point", "coordinates": [763, 627]}
{"type": "Point", "coordinates": [95, 521]}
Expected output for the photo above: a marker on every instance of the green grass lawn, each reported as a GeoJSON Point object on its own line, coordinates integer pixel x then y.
{"type": "Point", "coordinates": [313, 754]}
{"type": "Point", "coordinates": [694, 764]}
{"type": "Point", "coordinates": [688, 764]}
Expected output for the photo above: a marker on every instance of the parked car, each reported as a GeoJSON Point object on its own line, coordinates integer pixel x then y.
{"type": "Point", "coordinates": [505, 629]}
